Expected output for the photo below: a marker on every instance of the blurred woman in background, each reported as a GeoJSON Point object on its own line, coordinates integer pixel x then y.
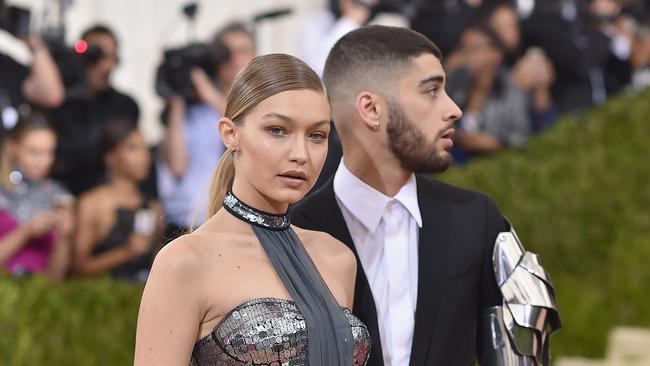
{"type": "Point", "coordinates": [36, 218]}
{"type": "Point", "coordinates": [118, 224]}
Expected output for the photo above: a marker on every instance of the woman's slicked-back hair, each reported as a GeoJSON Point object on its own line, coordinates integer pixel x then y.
{"type": "Point", "coordinates": [262, 78]}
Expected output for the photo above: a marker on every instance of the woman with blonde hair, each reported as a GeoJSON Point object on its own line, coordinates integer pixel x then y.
{"type": "Point", "coordinates": [246, 287]}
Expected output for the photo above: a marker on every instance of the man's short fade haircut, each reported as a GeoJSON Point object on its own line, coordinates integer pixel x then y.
{"type": "Point", "coordinates": [370, 54]}
{"type": "Point", "coordinates": [99, 29]}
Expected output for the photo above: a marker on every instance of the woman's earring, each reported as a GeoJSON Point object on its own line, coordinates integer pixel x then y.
{"type": "Point", "coordinates": [376, 126]}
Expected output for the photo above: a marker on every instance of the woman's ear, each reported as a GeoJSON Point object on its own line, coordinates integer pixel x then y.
{"type": "Point", "coordinates": [109, 159]}
{"type": "Point", "coordinates": [228, 131]}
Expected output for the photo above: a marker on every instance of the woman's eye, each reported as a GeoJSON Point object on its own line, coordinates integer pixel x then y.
{"type": "Point", "coordinates": [277, 130]}
{"type": "Point", "coordinates": [320, 136]}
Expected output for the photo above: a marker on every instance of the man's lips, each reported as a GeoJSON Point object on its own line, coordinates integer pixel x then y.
{"type": "Point", "coordinates": [448, 133]}
{"type": "Point", "coordinates": [446, 138]}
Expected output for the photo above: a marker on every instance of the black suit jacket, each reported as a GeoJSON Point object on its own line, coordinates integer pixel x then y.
{"type": "Point", "coordinates": [455, 279]}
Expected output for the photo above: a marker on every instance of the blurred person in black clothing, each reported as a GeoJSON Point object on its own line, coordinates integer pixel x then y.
{"type": "Point", "coordinates": [495, 112]}
{"type": "Point", "coordinates": [557, 27]}
{"type": "Point", "coordinates": [443, 21]}
{"type": "Point", "coordinates": [530, 68]}
{"type": "Point", "coordinates": [79, 121]}
{"type": "Point", "coordinates": [610, 33]}
{"type": "Point", "coordinates": [39, 84]}
{"type": "Point", "coordinates": [589, 43]}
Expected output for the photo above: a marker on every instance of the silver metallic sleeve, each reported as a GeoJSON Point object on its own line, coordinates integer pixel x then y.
{"type": "Point", "coordinates": [517, 332]}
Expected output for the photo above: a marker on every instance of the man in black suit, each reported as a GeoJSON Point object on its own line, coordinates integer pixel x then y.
{"type": "Point", "coordinates": [424, 248]}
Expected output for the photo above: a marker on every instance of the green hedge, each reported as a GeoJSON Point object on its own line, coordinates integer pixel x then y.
{"type": "Point", "coordinates": [578, 195]}
{"type": "Point", "coordinates": [89, 322]}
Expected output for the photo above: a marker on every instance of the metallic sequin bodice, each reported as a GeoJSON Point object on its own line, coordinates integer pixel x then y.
{"type": "Point", "coordinates": [269, 332]}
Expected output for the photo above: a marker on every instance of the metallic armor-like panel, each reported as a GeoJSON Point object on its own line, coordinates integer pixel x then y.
{"type": "Point", "coordinates": [517, 332]}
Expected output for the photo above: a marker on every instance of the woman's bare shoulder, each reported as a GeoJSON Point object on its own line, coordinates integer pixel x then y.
{"type": "Point", "coordinates": [326, 245]}
{"type": "Point", "coordinates": [198, 251]}
{"type": "Point", "coordinates": [95, 196]}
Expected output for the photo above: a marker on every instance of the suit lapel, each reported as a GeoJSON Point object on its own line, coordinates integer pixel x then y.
{"type": "Point", "coordinates": [433, 245]}
{"type": "Point", "coordinates": [323, 210]}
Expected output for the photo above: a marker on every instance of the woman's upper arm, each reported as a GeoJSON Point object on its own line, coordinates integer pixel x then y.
{"type": "Point", "coordinates": [84, 234]}
{"type": "Point", "coordinates": [351, 276]}
{"type": "Point", "coordinates": [171, 308]}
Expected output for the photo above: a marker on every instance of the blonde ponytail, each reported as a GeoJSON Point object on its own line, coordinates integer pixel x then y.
{"type": "Point", "coordinates": [221, 182]}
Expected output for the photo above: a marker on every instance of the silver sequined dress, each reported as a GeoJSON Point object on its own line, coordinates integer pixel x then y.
{"type": "Point", "coordinates": [268, 332]}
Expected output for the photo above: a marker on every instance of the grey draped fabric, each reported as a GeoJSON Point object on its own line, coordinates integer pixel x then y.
{"type": "Point", "coordinates": [329, 334]}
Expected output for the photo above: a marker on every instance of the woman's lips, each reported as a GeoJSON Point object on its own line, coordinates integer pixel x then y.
{"type": "Point", "coordinates": [293, 178]}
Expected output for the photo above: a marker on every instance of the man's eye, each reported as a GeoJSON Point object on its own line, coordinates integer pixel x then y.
{"type": "Point", "coordinates": [433, 92]}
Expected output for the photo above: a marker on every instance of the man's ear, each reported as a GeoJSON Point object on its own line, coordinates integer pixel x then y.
{"type": "Point", "coordinates": [370, 108]}
{"type": "Point", "coordinates": [228, 131]}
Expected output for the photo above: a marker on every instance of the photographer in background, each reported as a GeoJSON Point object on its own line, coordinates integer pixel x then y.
{"type": "Point", "coordinates": [443, 21]}
{"type": "Point", "coordinates": [39, 83]}
{"type": "Point", "coordinates": [191, 147]}
{"type": "Point", "coordinates": [323, 28]}
{"type": "Point", "coordinates": [80, 120]}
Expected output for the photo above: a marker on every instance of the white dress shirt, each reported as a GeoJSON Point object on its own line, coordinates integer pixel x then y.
{"type": "Point", "coordinates": [385, 234]}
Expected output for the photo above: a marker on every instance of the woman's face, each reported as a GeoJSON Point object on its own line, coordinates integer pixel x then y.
{"type": "Point", "coordinates": [131, 158]}
{"type": "Point", "coordinates": [505, 22]}
{"type": "Point", "coordinates": [481, 54]}
{"type": "Point", "coordinates": [34, 153]}
{"type": "Point", "coordinates": [281, 147]}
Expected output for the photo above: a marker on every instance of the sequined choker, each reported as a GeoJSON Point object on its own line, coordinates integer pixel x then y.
{"type": "Point", "coordinates": [256, 217]}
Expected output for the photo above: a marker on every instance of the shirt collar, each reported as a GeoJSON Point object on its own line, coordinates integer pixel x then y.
{"type": "Point", "coordinates": [368, 204]}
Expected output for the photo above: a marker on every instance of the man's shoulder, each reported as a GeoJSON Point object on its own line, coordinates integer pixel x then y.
{"type": "Point", "coordinates": [316, 197]}
{"type": "Point", "coordinates": [318, 203]}
{"type": "Point", "coordinates": [447, 191]}
{"type": "Point", "coordinates": [122, 102]}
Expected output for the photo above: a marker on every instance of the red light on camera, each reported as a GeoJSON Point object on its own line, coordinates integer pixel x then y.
{"type": "Point", "coordinates": [81, 46]}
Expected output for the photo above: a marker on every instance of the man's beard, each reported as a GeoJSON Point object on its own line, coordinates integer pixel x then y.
{"type": "Point", "coordinates": [410, 146]}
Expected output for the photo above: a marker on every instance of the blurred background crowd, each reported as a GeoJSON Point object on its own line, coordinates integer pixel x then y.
{"type": "Point", "coordinates": [92, 185]}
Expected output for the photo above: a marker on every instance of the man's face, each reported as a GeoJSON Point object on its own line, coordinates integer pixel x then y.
{"type": "Point", "coordinates": [242, 51]}
{"type": "Point", "coordinates": [98, 74]}
{"type": "Point", "coordinates": [421, 118]}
